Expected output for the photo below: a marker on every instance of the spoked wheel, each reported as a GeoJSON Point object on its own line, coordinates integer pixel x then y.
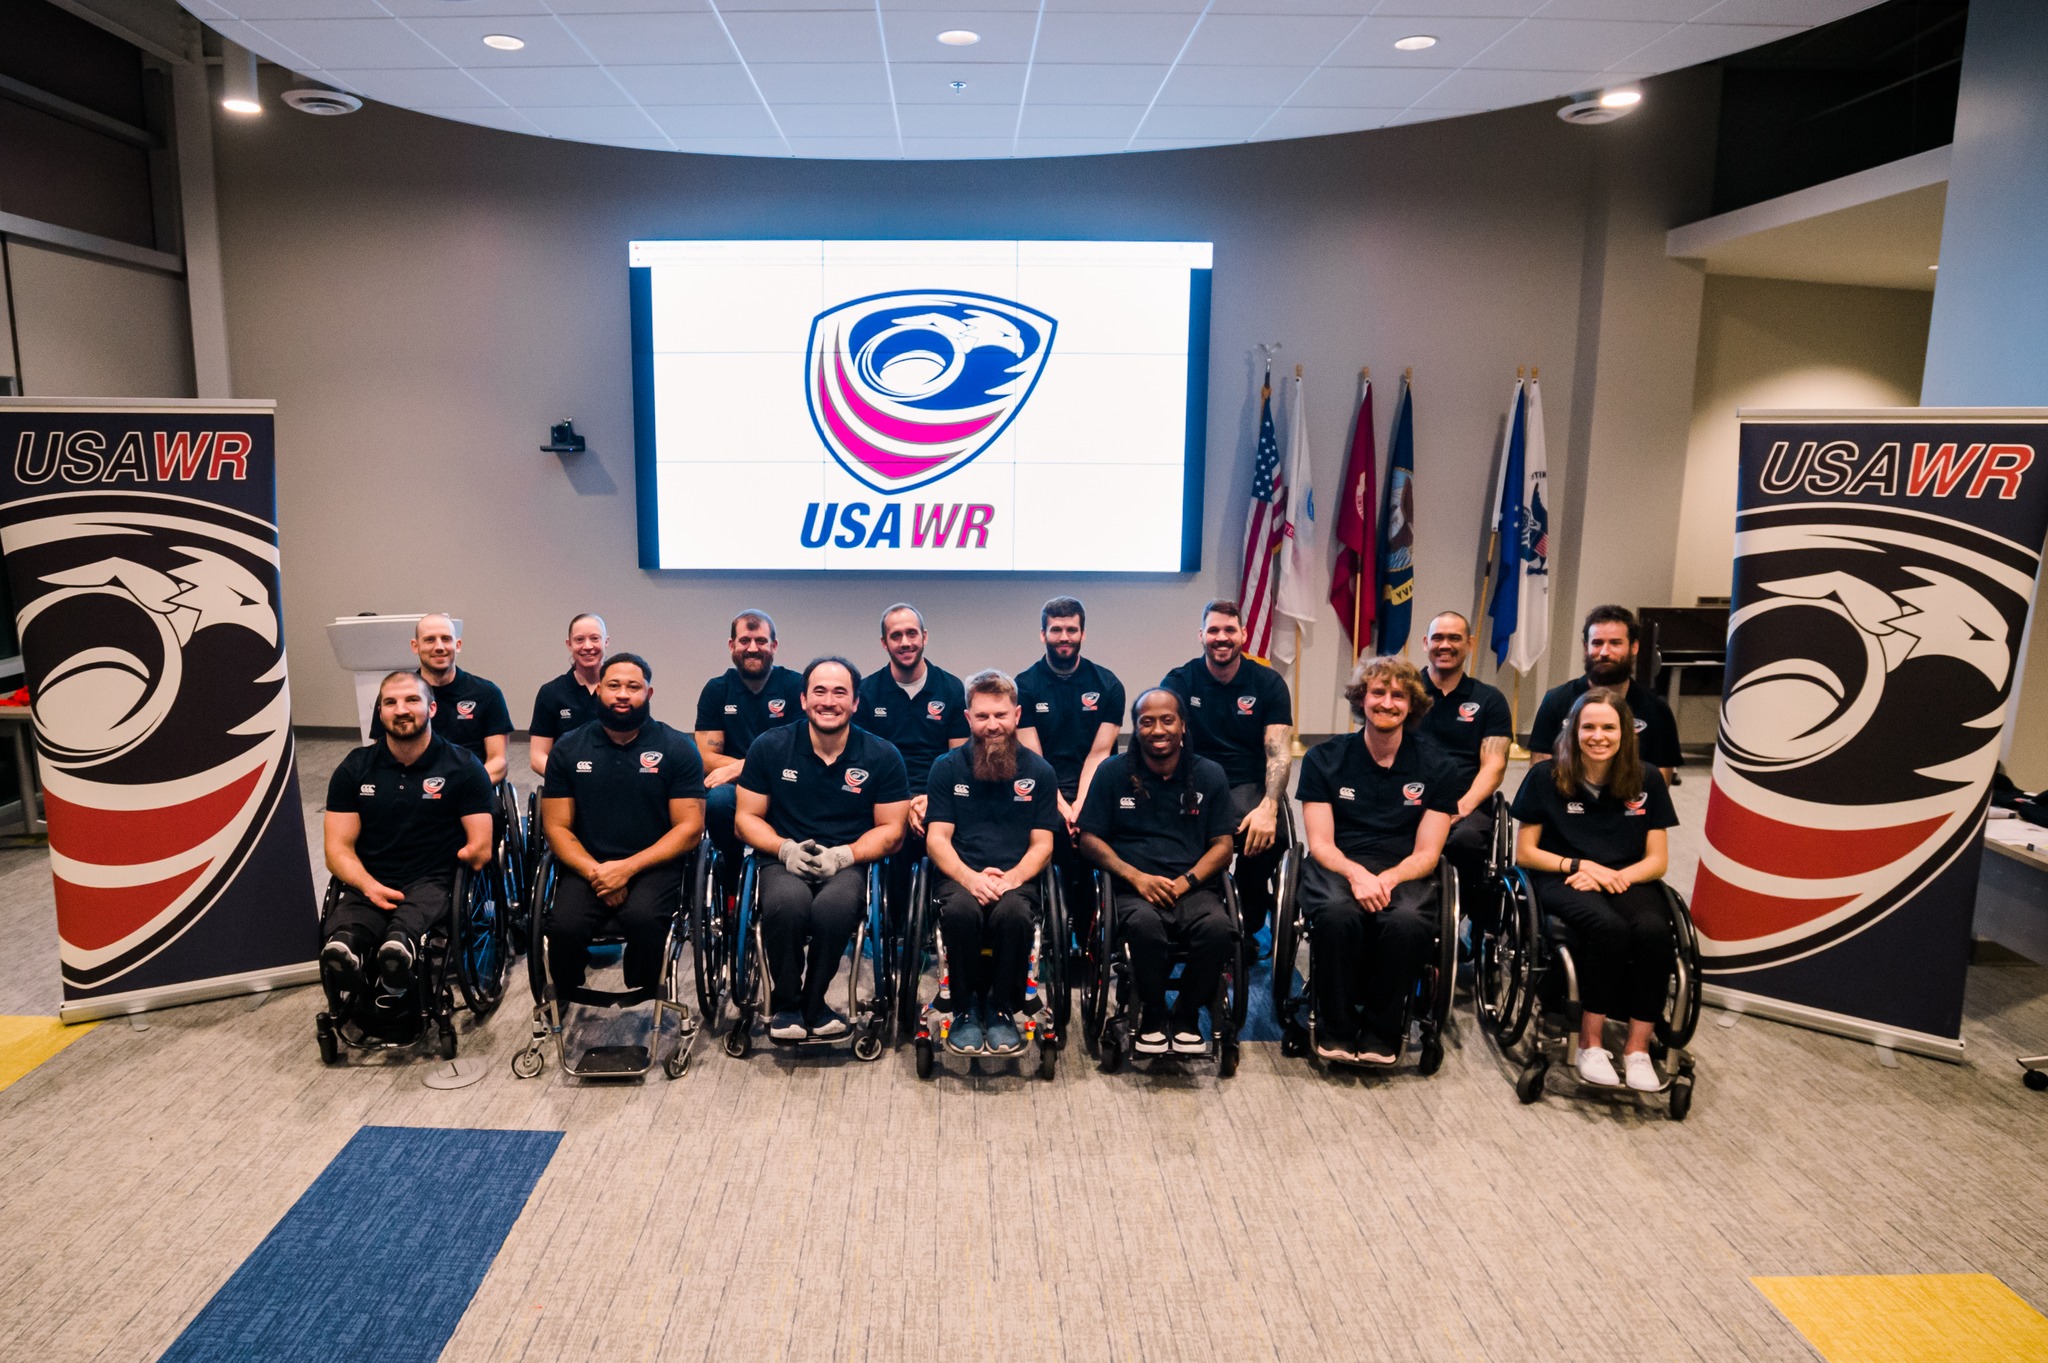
{"type": "Point", "coordinates": [1516, 943]}
{"type": "Point", "coordinates": [1682, 1004]}
{"type": "Point", "coordinates": [867, 1046]}
{"type": "Point", "coordinates": [527, 1064]}
{"type": "Point", "coordinates": [910, 965]}
{"type": "Point", "coordinates": [709, 946]}
{"type": "Point", "coordinates": [481, 960]}
{"type": "Point", "coordinates": [1053, 964]}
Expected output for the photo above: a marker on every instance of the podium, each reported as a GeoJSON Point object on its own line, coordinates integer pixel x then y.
{"type": "Point", "coordinates": [373, 647]}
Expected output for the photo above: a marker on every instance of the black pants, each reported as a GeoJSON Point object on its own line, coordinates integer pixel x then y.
{"type": "Point", "coordinates": [1254, 875]}
{"type": "Point", "coordinates": [1365, 963]}
{"type": "Point", "coordinates": [720, 804]}
{"type": "Point", "coordinates": [365, 927]}
{"type": "Point", "coordinates": [1468, 848]}
{"type": "Point", "coordinates": [1626, 951]}
{"type": "Point", "coordinates": [805, 929]}
{"type": "Point", "coordinates": [1002, 929]}
{"type": "Point", "coordinates": [1200, 922]}
{"type": "Point", "coordinates": [579, 917]}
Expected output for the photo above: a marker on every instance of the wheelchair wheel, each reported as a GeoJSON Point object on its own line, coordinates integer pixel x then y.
{"type": "Point", "coordinates": [1446, 963]}
{"type": "Point", "coordinates": [925, 1059]}
{"type": "Point", "coordinates": [527, 1064]}
{"type": "Point", "coordinates": [1111, 1047]}
{"type": "Point", "coordinates": [1682, 1005]}
{"type": "Point", "coordinates": [1287, 937]}
{"type": "Point", "coordinates": [1529, 1083]}
{"type": "Point", "coordinates": [1237, 982]}
{"type": "Point", "coordinates": [1097, 984]}
{"type": "Point", "coordinates": [444, 1037]}
{"type": "Point", "coordinates": [1432, 1058]}
{"type": "Point", "coordinates": [2037, 1080]}
{"type": "Point", "coordinates": [709, 955]}
{"type": "Point", "coordinates": [541, 898]}
{"type": "Point", "coordinates": [481, 958]}
{"type": "Point", "coordinates": [1048, 1061]}
{"type": "Point", "coordinates": [1679, 1102]}
{"type": "Point", "coordinates": [917, 935]}
{"type": "Point", "coordinates": [1515, 946]}
{"type": "Point", "coordinates": [1053, 961]}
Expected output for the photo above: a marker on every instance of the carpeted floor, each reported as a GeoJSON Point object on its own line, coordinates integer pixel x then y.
{"type": "Point", "coordinates": [772, 1209]}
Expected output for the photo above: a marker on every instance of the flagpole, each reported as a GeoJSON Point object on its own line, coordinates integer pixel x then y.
{"type": "Point", "coordinates": [1294, 673]}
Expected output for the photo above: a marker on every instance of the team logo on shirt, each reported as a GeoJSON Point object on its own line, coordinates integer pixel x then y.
{"type": "Point", "coordinates": [1636, 804]}
{"type": "Point", "coordinates": [1469, 710]}
{"type": "Point", "coordinates": [583, 768]}
{"type": "Point", "coordinates": [650, 761]}
{"type": "Point", "coordinates": [1642, 724]}
{"type": "Point", "coordinates": [732, 709]}
{"type": "Point", "coordinates": [789, 773]}
{"type": "Point", "coordinates": [430, 789]}
{"type": "Point", "coordinates": [366, 789]}
{"type": "Point", "coordinates": [1042, 707]}
{"type": "Point", "coordinates": [1023, 787]}
{"type": "Point", "coordinates": [960, 792]}
{"type": "Point", "coordinates": [465, 709]}
{"type": "Point", "coordinates": [1127, 802]}
{"type": "Point", "coordinates": [776, 707]}
{"type": "Point", "coordinates": [1412, 793]}
{"type": "Point", "coordinates": [1245, 704]}
{"type": "Point", "coordinates": [906, 387]}
{"type": "Point", "coordinates": [936, 709]}
{"type": "Point", "coordinates": [856, 777]}
{"type": "Point", "coordinates": [1574, 807]}
{"type": "Point", "coordinates": [1089, 700]}
{"type": "Point", "coordinates": [881, 712]}
{"type": "Point", "coordinates": [1346, 793]}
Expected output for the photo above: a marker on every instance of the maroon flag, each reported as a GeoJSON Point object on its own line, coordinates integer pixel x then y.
{"type": "Point", "coordinates": [1351, 585]}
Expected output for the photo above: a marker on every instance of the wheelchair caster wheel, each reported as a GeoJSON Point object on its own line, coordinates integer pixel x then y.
{"type": "Point", "coordinates": [1294, 1043]}
{"type": "Point", "coordinates": [1226, 1059]}
{"type": "Point", "coordinates": [924, 1060]}
{"type": "Point", "coordinates": [1681, 1099]}
{"type": "Point", "coordinates": [1432, 1058]}
{"type": "Point", "coordinates": [739, 1042]}
{"type": "Point", "coordinates": [2037, 1080]}
{"type": "Point", "coordinates": [330, 1048]}
{"type": "Point", "coordinates": [1048, 1061]}
{"type": "Point", "coordinates": [527, 1064]}
{"type": "Point", "coordinates": [867, 1046]}
{"type": "Point", "coordinates": [1529, 1083]}
{"type": "Point", "coordinates": [677, 1064]}
{"type": "Point", "coordinates": [444, 1038]}
{"type": "Point", "coordinates": [1112, 1049]}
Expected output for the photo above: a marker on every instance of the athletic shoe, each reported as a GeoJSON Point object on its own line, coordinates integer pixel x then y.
{"type": "Point", "coordinates": [1377, 1050]}
{"type": "Point", "coordinates": [830, 1023]}
{"type": "Point", "coordinates": [339, 957]}
{"type": "Point", "coordinates": [1003, 1036]}
{"type": "Point", "coordinates": [787, 1026]}
{"type": "Point", "coordinates": [1596, 1066]}
{"type": "Point", "coordinates": [1642, 1072]}
{"type": "Point", "coordinates": [1151, 1042]}
{"type": "Point", "coordinates": [394, 963]}
{"type": "Point", "coordinates": [1335, 1051]}
{"type": "Point", "coordinates": [1189, 1043]}
{"type": "Point", "coordinates": [965, 1033]}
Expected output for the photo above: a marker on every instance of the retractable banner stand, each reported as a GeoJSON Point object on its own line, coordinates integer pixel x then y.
{"type": "Point", "coordinates": [1884, 566]}
{"type": "Point", "coordinates": [140, 541]}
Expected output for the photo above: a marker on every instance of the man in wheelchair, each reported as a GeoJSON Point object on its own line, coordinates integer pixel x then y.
{"type": "Point", "coordinates": [1160, 821]}
{"type": "Point", "coordinates": [400, 813]}
{"type": "Point", "coordinates": [1472, 726]}
{"type": "Point", "coordinates": [992, 809]}
{"type": "Point", "coordinates": [622, 803]}
{"type": "Point", "coordinates": [823, 799]}
{"type": "Point", "coordinates": [1377, 805]}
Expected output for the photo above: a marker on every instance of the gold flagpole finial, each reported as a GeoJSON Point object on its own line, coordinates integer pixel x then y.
{"type": "Point", "coordinates": [1532, 373]}
{"type": "Point", "coordinates": [1365, 372]}
{"type": "Point", "coordinates": [1408, 374]}
{"type": "Point", "coordinates": [1521, 372]}
{"type": "Point", "coordinates": [1297, 371]}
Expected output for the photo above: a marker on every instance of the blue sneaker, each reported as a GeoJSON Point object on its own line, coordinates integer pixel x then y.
{"type": "Point", "coordinates": [787, 1025]}
{"type": "Point", "coordinates": [1003, 1036]}
{"type": "Point", "coordinates": [965, 1033]}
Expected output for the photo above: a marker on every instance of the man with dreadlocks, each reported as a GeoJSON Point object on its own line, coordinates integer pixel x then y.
{"type": "Point", "coordinates": [1159, 820]}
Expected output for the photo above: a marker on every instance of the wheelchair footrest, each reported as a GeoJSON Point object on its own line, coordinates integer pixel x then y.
{"type": "Point", "coordinates": [613, 1060]}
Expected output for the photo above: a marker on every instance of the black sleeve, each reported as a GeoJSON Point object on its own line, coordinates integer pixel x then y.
{"type": "Point", "coordinates": [1533, 801]}
{"type": "Point", "coordinates": [1659, 747]}
{"type": "Point", "coordinates": [1313, 786]}
{"type": "Point", "coordinates": [1027, 718]}
{"type": "Point", "coordinates": [1219, 819]}
{"type": "Point", "coordinates": [1045, 801]}
{"type": "Point", "coordinates": [710, 715]}
{"type": "Point", "coordinates": [543, 723]}
{"type": "Point", "coordinates": [754, 767]}
{"type": "Point", "coordinates": [1099, 809]}
{"type": "Point", "coordinates": [956, 723]}
{"type": "Point", "coordinates": [686, 773]}
{"type": "Point", "coordinates": [892, 782]}
{"type": "Point", "coordinates": [1662, 813]}
{"type": "Point", "coordinates": [1112, 711]}
{"type": "Point", "coordinates": [1441, 785]}
{"type": "Point", "coordinates": [496, 717]}
{"type": "Point", "coordinates": [473, 785]}
{"type": "Point", "coordinates": [555, 783]}
{"type": "Point", "coordinates": [1549, 722]}
{"type": "Point", "coordinates": [938, 790]}
{"type": "Point", "coordinates": [1495, 719]}
{"type": "Point", "coordinates": [1283, 704]}
{"type": "Point", "coordinates": [344, 788]}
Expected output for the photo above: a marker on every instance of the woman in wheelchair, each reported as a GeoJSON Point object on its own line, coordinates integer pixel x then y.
{"type": "Point", "coordinates": [1377, 806]}
{"type": "Point", "coordinates": [1592, 839]}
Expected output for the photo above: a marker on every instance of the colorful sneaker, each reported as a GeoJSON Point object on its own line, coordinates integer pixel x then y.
{"type": "Point", "coordinates": [1003, 1036]}
{"type": "Point", "coordinates": [965, 1033]}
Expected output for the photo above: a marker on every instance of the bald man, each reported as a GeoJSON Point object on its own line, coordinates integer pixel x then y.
{"type": "Point", "coordinates": [468, 711]}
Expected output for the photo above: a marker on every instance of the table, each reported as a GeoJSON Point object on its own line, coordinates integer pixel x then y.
{"type": "Point", "coordinates": [2012, 903]}
{"type": "Point", "coordinates": [19, 717]}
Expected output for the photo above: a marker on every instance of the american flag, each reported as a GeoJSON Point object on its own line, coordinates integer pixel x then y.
{"type": "Point", "coordinates": [1264, 532]}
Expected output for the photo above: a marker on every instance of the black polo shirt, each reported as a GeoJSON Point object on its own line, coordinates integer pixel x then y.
{"type": "Point", "coordinates": [809, 800]}
{"type": "Point", "coordinates": [411, 816]}
{"type": "Point", "coordinates": [622, 790]}
{"type": "Point", "coordinates": [727, 706]}
{"type": "Point", "coordinates": [1068, 711]}
{"type": "Point", "coordinates": [921, 726]}
{"type": "Point", "coordinates": [562, 705]}
{"type": "Point", "coordinates": [1227, 720]}
{"type": "Point", "coordinates": [1148, 827]}
{"type": "Point", "coordinates": [466, 712]}
{"type": "Point", "coordinates": [1462, 719]}
{"type": "Point", "coordinates": [1589, 825]}
{"type": "Point", "coordinates": [1656, 730]}
{"type": "Point", "coordinates": [993, 820]}
{"type": "Point", "coordinates": [1377, 809]}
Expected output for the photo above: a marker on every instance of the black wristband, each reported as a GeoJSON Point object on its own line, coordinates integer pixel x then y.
{"type": "Point", "coordinates": [1571, 868]}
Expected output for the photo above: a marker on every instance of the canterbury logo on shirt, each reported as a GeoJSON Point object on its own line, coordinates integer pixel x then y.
{"type": "Point", "coordinates": [960, 791]}
{"type": "Point", "coordinates": [789, 773]}
{"type": "Point", "coordinates": [1574, 807]}
{"type": "Point", "coordinates": [366, 790]}
{"type": "Point", "coordinates": [1346, 793]}
{"type": "Point", "coordinates": [1127, 802]}
{"type": "Point", "coordinates": [881, 712]}
{"type": "Point", "coordinates": [1043, 708]}
{"type": "Point", "coordinates": [732, 709]}
{"type": "Point", "coordinates": [582, 767]}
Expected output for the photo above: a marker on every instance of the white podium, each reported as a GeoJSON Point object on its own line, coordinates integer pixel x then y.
{"type": "Point", "coordinates": [373, 647]}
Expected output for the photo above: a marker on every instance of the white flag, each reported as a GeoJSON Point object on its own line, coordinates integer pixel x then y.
{"type": "Point", "coordinates": [1300, 593]}
{"type": "Point", "coordinates": [1532, 620]}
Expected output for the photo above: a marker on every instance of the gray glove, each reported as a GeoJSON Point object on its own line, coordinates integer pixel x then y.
{"type": "Point", "coordinates": [832, 860]}
{"type": "Point", "coordinates": [796, 856]}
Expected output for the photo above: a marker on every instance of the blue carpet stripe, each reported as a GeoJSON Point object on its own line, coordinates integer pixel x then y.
{"type": "Point", "coordinates": [380, 1257]}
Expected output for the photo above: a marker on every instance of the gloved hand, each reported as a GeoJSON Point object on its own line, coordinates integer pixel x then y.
{"type": "Point", "coordinates": [794, 856]}
{"type": "Point", "coordinates": [832, 860]}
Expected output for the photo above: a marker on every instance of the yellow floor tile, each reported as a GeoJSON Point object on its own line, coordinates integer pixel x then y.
{"type": "Point", "coordinates": [1911, 1318]}
{"type": "Point", "coordinates": [27, 1042]}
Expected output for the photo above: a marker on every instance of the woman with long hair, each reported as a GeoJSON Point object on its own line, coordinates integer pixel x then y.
{"type": "Point", "coordinates": [1592, 839]}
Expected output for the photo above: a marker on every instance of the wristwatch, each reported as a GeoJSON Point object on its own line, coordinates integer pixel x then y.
{"type": "Point", "coordinates": [1571, 868]}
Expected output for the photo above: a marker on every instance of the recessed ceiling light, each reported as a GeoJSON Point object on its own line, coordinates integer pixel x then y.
{"type": "Point", "coordinates": [504, 42]}
{"type": "Point", "coordinates": [1620, 99]}
{"type": "Point", "coordinates": [1416, 43]}
{"type": "Point", "coordinates": [959, 37]}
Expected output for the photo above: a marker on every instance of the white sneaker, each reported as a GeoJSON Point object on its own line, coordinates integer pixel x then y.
{"type": "Point", "coordinates": [1189, 1043]}
{"type": "Point", "coordinates": [1642, 1072]}
{"type": "Point", "coordinates": [1596, 1066]}
{"type": "Point", "coordinates": [1150, 1043]}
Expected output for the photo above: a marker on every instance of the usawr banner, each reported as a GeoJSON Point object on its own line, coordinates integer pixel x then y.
{"type": "Point", "coordinates": [1884, 567]}
{"type": "Point", "coordinates": [141, 552]}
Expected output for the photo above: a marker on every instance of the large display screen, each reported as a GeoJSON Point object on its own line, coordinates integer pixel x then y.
{"type": "Point", "coordinates": [978, 406]}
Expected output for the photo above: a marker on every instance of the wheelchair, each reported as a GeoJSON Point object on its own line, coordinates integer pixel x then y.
{"type": "Point", "coordinates": [465, 952]}
{"type": "Point", "coordinates": [749, 986]}
{"type": "Point", "coordinates": [1428, 1003]}
{"type": "Point", "coordinates": [593, 1045]}
{"type": "Point", "coordinates": [511, 830]}
{"type": "Point", "coordinates": [1047, 997]}
{"type": "Point", "coordinates": [1109, 1000]}
{"type": "Point", "coordinates": [1526, 984]}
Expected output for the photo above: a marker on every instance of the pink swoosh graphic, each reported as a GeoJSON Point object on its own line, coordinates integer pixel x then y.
{"type": "Point", "coordinates": [896, 428]}
{"type": "Point", "coordinates": [881, 461]}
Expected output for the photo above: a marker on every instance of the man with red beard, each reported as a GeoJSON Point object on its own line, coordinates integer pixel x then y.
{"type": "Point", "coordinates": [989, 825]}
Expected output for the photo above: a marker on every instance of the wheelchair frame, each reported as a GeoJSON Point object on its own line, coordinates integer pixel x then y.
{"type": "Point", "coordinates": [466, 952]}
{"type": "Point", "coordinates": [549, 1008]}
{"type": "Point", "coordinates": [1107, 1001]}
{"type": "Point", "coordinates": [1047, 996]}
{"type": "Point", "coordinates": [750, 984]}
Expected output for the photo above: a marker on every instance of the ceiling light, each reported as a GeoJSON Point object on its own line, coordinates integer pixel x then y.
{"type": "Point", "coordinates": [504, 42]}
{"type": "Point", "coordinates": [1416, 43]}
{"type": "Point", "coordinates": [1620, 99]}
{"type": "Point", "coordinates": [1602, 106]}
{"type": "Point", "coordinates": [958, 86]}
{"type": "Point", "coordinates": [960, 37]}
{"type": "Point", "coordinates": [321, 103]}
{"type": "Point", "coordinates": [238, 92]}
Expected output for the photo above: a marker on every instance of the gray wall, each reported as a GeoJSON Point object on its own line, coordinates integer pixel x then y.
{"type": "Point", "coordinates": [422, 298]}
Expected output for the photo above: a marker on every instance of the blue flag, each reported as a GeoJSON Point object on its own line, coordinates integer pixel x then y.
{"type": "Point", "coordinates": [1507, 525]}
{"type": "Point", "coordinates": [1397, 531]}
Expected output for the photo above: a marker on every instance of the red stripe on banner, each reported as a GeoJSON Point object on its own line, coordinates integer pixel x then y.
{"type": "Point", "coordinates": [1729, 913]}
{"type": "Point", "coordinates": [93, 916]}
{"type": "Point", "coordinates": [916, 432]}
{"type": "Point", "coordinates": [884, 462]}
{"type": "Point", "coordinates": [133, 837]}
{"type": "Point", "coordinates": [1783, 849]}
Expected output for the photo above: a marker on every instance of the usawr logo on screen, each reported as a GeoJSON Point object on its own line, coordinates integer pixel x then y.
{"type": "Point", "coordinates": [906, 387]}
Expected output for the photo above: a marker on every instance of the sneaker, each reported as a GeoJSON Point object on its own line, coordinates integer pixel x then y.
{"type": "Point", "coordinates": [1331, 1049]}
{"type": "Point", "coordinates": [1189, 1043]}
{"type": "Point", "coordinates": [394, 964]}
{"type": "Point", "coordinates": [339, 957]}
{"type": "Point", "coordinates": [1642, 1072]}
{"type": "Point", "coordinates": [1377, 1050]}
{"type": "Point", "coordinates": [787, 1026]}
{"type": "Point", "coordinates": [965, 1033]}
{"type": "Point", "coordinates": [1003, 1036]}
{"type": "Point", "coordinates": [1151, 1042]}
{"type": "Point", "coordinates": [1596, 1066]}
{"type": "Point", "coordinates": [830, 1023]}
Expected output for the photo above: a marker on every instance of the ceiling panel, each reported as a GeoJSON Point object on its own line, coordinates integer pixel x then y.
{"type": "Point", "coordinates": [1366, 87]}
{"type": "Point", "coordinates": [691, 122]}
{"type": "Point", "coordinates": [553, 87]}
{"type": "Point", "coordinates": [594, 122]}
{"type": "Point", "coordinates": [822, 82]}
{"type": "Point", "coordinates": [1293, 122]}
{"type": "Point", "coordinates": [962, 120]}
{"type": "Point", "coordinates": [461, 38]}
{"type": "Point", "coordinates": [651, 39]}
{"type": "Point", "coordinates": [918, 83]}
{"type": "Point", "coordinates": [502, 118]}
{"type": "Point", "coordinates": [1264, 86]}
{"type": "Point", "coordinates": [1231, 123]}
{"type": "Point", "coordinates": [955, 148]}
{"type": "Point", "coordinates": [914, 36]}
{"type": "Point", "coordinates": [1257, 39]}
{"type": "Point", "coordinates": [1111, 38]}
{"type": "Point", "coordinates": [364, 44]}
{"type": "Point", "coordinates": [1468, 90]}
{"type": "Point", "coordinates": [1069, 146]}
{"type": "Point", "coordinates": [1457, 42]}
{"type": "Point", "coordinates": [1056, 83]}
{"type": "Point", "coordinates": [837, 120]}
{"type": "Point", "coordinates": [807, 36]}
{"type": "Point", "coordinates": [706, 83]}
{"type": "Point", "coordinates": [420, 88]}
{"type": "Point", "coordinates": [1696, 43]}
{"type": "Point", "coordinates": [441, 9]}
{"type": "Point", "coordinates": [1565, 44]}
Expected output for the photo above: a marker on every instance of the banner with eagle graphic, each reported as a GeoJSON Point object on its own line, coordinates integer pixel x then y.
{"type": "Point", "coordinates": [141, 549]}
{"type": "Point", "coordinates": [1885, 563]}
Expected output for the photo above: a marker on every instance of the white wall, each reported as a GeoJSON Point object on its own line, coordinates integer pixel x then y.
{"type": "Point", "coordinates": [97, 328]}
{"type": "Point", "coordinates": [422, 298]}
